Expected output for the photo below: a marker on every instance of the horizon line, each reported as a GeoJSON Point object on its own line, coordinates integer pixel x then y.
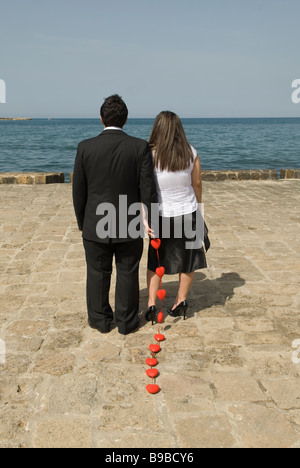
{"type": "Point", "coordinates": [151, 118]}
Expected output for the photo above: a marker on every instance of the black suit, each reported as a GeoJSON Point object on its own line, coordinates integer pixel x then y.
{"type": "Point", "coordinates": [107, 167]}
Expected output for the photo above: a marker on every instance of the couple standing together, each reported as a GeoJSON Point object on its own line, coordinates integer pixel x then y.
{"type": "Point", "coordinates": [166, 173]}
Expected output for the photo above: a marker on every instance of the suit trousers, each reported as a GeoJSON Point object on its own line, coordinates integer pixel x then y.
{"type": "Point", "coordinates": [99, 259]}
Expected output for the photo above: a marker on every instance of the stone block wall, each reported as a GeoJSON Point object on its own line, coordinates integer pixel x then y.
{"type": "Point", "coordinates": [290, 174]}
{"type": "Point", "coordinates": [258, 174]}
{"type": "Point", "coordinates": [31, 178]}
{"type": "Point", "coordinates": [262, 174]}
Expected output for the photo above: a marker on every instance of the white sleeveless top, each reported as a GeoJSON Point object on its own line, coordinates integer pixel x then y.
{"type": "Point", "coordinates": [176, 195]}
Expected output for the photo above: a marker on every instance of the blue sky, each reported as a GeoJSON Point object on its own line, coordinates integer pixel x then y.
{"type": "Point", "coordinates": [199, 58]}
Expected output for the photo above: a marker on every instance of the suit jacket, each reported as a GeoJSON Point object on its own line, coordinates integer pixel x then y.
{"type": "Point", "coordinates": [111, 165]}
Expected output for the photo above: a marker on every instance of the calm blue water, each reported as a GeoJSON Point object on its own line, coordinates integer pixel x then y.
{"type": "Point", "coordinates": [223, 144]}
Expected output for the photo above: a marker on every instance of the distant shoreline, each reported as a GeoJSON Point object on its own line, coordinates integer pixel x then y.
{"type": "Point", "coordinates": [14, 118]}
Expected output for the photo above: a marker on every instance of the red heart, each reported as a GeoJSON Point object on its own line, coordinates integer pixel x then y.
{"type": "Point", "coordinates": [154, 348]}
{"type": "Point", "coordinates": [152, 373]}
{"type": "Point", "coordinates": [159, 337]}
{"type": "Point", "coordinates": [160, 317]}
{"type": "Point", "coordinates": [151, 362]}
{"type": "Point", "coordinates": [156, 243]}
{"type": "Point", "coordinates": [161, 294]}
{"type": "Point", "coordinates": [160, 271]}
{"type": "Point", "coordinates": [151, 388]}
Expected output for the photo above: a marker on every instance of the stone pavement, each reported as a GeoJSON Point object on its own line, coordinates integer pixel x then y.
{"type": "Point", "coordinates": [229, 375]}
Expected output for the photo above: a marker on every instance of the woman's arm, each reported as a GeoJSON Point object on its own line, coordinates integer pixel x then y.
{"type": "Point", "coordinates": [197, 180]}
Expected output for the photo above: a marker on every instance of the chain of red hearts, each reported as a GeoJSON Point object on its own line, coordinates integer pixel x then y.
{"type": "Point", "coordinates": [155, 348]}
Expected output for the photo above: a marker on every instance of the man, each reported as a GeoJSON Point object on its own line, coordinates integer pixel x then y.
{"type": "Point", "coordinates": [112, 172]}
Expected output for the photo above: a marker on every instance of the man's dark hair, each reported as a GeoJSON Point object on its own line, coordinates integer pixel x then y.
{"type": "Point", "coordinates": [114, 112]}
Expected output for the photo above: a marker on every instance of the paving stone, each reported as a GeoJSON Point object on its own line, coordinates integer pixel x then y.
{"type": "Point", "coordinates": [261, 427]}
{"type": "Point", "coordinates": [285, 392]}
{"type": "Point", "coordinates": [238, 386]}
{"type": "Point", "coordinates": [62, 432]}
{"type": "Point", "coordinates": [204, 432]}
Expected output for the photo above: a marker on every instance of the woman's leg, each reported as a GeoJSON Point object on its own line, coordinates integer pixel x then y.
{"type": "Point", "coordinates": [153, 282]}
{"type": "Point", "coordinates": [185, 283]}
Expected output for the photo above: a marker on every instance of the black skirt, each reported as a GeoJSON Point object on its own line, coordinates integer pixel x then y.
{"type": "Point", "coordinates": [181, 249]}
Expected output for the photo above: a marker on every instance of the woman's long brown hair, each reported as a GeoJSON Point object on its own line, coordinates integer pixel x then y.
{"type": "Point", "coordinates": [172, 151]}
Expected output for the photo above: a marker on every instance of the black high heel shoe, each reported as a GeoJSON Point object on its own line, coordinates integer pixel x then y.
{"type": "Point", "coordinates": [150, 315]}
{"type": "Point", "coordinates": [181, 308]}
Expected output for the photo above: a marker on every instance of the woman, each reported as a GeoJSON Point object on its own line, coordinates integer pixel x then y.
{"type": "Point", "coordinates": [179, 187]}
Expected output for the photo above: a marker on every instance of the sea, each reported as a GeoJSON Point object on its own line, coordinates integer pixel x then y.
{"type": "Point", "coordinates": [49, 145]}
